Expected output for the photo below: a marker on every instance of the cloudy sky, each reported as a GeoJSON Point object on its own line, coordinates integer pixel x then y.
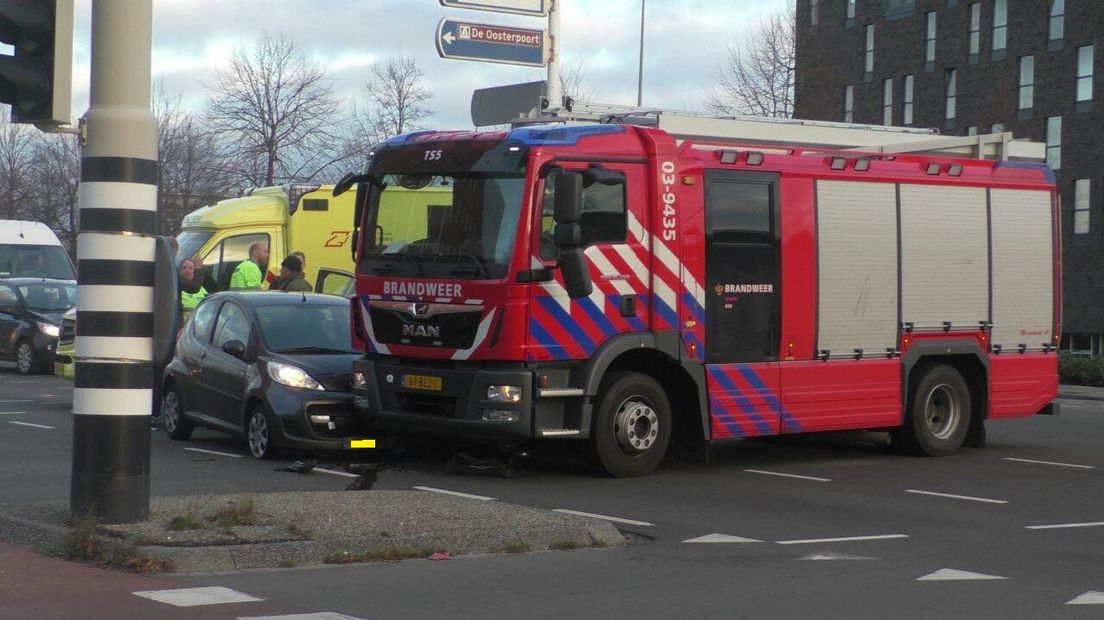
{"type": "Point", "coordinates": [685, 42]}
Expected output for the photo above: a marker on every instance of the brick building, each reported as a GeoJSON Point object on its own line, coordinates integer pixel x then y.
{"type": "Point", "coordinates": [964, 66]}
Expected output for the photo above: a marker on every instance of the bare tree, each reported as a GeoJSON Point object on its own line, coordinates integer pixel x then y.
{"type": "Point", "coordinates": [56, 181]}
{"type": "Point", "coordinates": [16, 152]}
{"type": "Point", "coordinates": [758, 77]}
{"type": "Point", "coordinates": [192, 172]}
{"type": "Point", "coordinates": [395, 101]}
{"type": "Point", "coordinates": [573, 83]}
{"type": "Point", "coordinates": [278, 111]}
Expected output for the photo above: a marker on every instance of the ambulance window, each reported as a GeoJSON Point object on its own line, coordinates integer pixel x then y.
{"type": "Point", "coordinates": [221, 261]}
{"type": "Point", "coordinates": [316, 204]}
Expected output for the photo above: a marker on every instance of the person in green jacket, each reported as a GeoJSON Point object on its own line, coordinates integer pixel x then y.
{"type": "Point", "coordinates": [249, 275]}
{"type": "Point", "coordinates": [291, 277]}
{"type": "Point", "coordinates": [188, 299]}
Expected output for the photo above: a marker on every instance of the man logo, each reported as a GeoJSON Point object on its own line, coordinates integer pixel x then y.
{"type": "Point", "coordinates": [422, 331]}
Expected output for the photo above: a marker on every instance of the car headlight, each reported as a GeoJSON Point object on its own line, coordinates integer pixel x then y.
{"type": "Point", "coordinates": [504, 393]}
{"type": "Point", "coordinates": [48, 328]}
{"type": "Point", "coordinates": [292, 376]}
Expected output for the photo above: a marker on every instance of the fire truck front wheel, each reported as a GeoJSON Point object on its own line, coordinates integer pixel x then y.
{"type": "Point", "coordinates": [939, 412]}
{"type": "Point", "coordinates": [632, 425]}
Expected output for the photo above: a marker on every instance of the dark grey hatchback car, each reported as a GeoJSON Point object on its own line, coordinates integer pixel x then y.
{"type": "Point", "coordinates": [274, 368]}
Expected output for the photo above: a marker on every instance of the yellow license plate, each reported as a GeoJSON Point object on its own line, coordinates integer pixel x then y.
{"type": "Point", "coordinates": [421, 382]}
{"type": "Point", "coordinates": [356, 444]}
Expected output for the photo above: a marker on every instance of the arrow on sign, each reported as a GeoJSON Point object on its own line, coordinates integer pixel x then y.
{"type": "Point", "coordinates": [448, 38]}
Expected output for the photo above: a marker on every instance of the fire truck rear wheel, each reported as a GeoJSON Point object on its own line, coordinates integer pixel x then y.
{"type": "Point", "coordinates": [939, 412]}
{"type": "Point", "coordinates": [632, 425]}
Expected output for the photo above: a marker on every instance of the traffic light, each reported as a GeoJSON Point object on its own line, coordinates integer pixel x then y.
{"type": "Point", "coordinates": [36, 79]}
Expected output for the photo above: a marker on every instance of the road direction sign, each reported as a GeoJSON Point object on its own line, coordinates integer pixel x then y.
{"type": "Point", "coordinates": [488, 43]}
{"type": "Point", "coordinates": [521, 7]}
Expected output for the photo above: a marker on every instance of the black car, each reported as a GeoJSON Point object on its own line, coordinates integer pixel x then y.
{"type": "Point", "coordinates": [275, 368]}
{"type": "Point", "coordinates": [30, 319]}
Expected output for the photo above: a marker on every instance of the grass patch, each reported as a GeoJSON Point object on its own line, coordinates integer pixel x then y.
{"type": "Point", "coordinates": [186, 521]}
{"type": "Point", "coordinates": [235, 514]}
{"type": "Point", "coordinates": [388, 554]}
{"type": "Point", "coordinates": [82, 544]}
{"type": "Point", "coordinates": [297, 530]}
{"type": "Point", "coordinates": [340, 557]}
{"type": "Point", "coordinates": [513, 547]}
{"type": "Point", "coordinates": [564, 545]}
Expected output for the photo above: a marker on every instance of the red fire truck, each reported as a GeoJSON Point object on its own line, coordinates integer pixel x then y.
{"type": "Point", "coordinates": [653, 278]}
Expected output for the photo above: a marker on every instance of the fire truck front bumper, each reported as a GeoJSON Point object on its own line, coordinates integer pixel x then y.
{"type": "Point", "coordinates": [473, 402]}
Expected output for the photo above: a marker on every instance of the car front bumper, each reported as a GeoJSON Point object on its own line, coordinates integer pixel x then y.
{"type": "Point", "coordinates": [311, 420]}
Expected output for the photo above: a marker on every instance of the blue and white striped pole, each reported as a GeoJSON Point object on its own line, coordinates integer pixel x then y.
{"type": "Point", "coordinates": [115, 271]}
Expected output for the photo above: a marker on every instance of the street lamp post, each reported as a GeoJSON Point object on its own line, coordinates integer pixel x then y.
{"type": "Point", "coordinates": [640, 64]}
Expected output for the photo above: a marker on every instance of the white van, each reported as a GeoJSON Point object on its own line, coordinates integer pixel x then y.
{"type": "Point", "coordinates": [31, 249]}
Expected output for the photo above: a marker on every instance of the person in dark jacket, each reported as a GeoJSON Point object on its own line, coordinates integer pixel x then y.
{"type": "Point", "coordinates": [291, 277]}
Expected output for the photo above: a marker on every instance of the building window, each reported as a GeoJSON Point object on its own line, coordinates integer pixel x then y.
{"type": "Point", "coordinates": [1000, 28]}
{"type": "Point", "coordinates": [899, 8]}
{"type": "Point", "coordinates": [1084, 73]}
{"type": "Point", "coordinates": [1027, 82]}
{"type": "Point", "coordinates": [1057, 20]}
{"type": "Point", "coordinates": [868, 62]}
{"type": "Point", "coordinates": [906, 110]}
{"type": "Point", "coordinates": [975, 29]}
{"type": "Point", "coordinates": [997, 128]}
{"type": "Point", "coordinates": [813, 13]}
{"type": "Point", "coordinates": [1081, 207]}
{"type": "Point", "coordinates": [849, 104]}
{"type": "Point", "coordinates": [1054, 142]}
{"type": "Point", "coordinates": [887, 101]}
{"type": "Point", "coordinates": [850, 13]}
{"type": "Point", "coordinates": [929, 38]}
{"type": "Point", "coordinates": [972, 130]}
{"type": "Point", "coordinates": [950, 96]}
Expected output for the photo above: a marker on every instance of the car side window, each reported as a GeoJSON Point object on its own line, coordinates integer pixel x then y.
{"type": "Point", "coordinates": [202, 320]}
{"type": "Point", "coordinates": [233, 324]}
{"type": "Point", "coordinates": [8, 299]}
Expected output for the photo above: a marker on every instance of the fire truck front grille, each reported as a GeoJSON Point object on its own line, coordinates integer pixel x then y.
{"type": "Point", "coordinates": [453, 331]}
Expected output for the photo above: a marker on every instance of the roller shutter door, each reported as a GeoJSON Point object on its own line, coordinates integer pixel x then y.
{"type": "Point", "coordinates": [857, 267]}
{"type": "Point", "coordinates": [1023, 270]}
{"type": "Point", "coordinates": [944, 256]}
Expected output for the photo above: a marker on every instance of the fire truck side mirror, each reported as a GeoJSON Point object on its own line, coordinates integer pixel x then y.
{"type": "Point", "coordinates": [576, 276]}
{"type": "Point", "coordinates": [569, 197]}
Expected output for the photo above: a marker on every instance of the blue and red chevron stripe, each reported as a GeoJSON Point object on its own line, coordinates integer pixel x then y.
{"type": "Point", "coordinates": [743, 404]}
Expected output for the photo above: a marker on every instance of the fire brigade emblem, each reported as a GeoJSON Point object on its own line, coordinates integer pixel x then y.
{"type": "Point", "coordinates": [719, 289]}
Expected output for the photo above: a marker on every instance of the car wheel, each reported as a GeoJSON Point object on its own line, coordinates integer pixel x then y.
{"type": "Point", "coordinates": [259, 433]}
{"type": "Point", "coordinates": [172, 414]}
{"type": "Point", "coordinates": [632, 425]}
{"type": "Point", "coordinates": [26, 361]}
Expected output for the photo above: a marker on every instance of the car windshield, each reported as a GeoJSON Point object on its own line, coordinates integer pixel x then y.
{"type": "Point", "coordinates": [306, 328]}
{"type": "Point", "coordinates": [35, 261]}
{"type": "Point", "coordinates": [48, 296]}
{"type": "Point", "coordinates": [438, 225]}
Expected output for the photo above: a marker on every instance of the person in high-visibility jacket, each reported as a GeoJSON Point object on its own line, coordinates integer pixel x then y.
{"type": "Point", "coordinates": [250, 274]}
{"type": "Point", "coordinates": [189, 300]}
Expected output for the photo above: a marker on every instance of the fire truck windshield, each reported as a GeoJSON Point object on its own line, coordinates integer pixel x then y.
{"type": "Point", "coordinates": [441, 226]}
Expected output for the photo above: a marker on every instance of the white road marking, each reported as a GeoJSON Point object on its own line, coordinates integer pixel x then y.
{"type": "Point", "coordinates": [456, 493]}
{"type": "Point", "coordinates": [603, 517]}
{"type": "Point", "coordinates": [953, 496]}
{"type": "Point", "coordinates": [16, 401]}
{"type": "Point", "coordinates": [1092, 597]}
{"type": "Point", "coordinates": [721, 538]}
{"type": "Point", "coordinates": [807, 541]}
{"type": "Point", "coordinates": [1008, 458]}
{"type": "Point", "coordinates": [227, 454]}
{"type": "Point", "coordinates": [13, 412]}
{"type": "Point", "coordinates": [1059, 526]}
{"type": "Point", "coordinates": [318, 616]}
{"type": "Point", "coordinates": [334, 472]}
{"type": "Point", "coordinates": [775, 473]}
{"type": "Point", "coordinates": [951, 574]}
{"type": "Point", "coordinates": [29, 424]}
{"type": "Point", "coordinates": [835, 556]}
{"type": "Point", "coordinates": [191, 597]}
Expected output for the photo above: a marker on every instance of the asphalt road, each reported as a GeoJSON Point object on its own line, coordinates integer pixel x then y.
{"type": "Point", "coordinates": [823, 527]}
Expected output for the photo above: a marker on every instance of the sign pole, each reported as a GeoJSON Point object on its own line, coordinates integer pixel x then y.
{"type": "Point", "coordinates": [555, 92]}
{"type": "Point", "coordinates": [112, 391]}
